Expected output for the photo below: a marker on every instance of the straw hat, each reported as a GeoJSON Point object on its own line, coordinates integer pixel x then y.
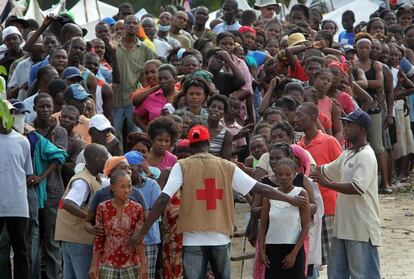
{"type": "Point", "coordinates": [295, 39]}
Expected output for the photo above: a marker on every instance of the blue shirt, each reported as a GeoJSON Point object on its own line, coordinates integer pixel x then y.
{"type": "Point", "coordinates": [35, 68]}
{"type": "Point", "coordinates": [346, 38]}
{"type": "Point", "coordinates": [105, 74]}
{"type": "Point", "coordinates": [105, 194]}
{"type": "Point", "coordinates": [151, 191]}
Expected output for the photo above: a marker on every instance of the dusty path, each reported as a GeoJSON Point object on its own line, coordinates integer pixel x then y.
{"type": "Point", "coordinates": [397, 226]}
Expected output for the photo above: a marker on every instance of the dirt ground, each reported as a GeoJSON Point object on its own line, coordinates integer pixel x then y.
{"type": "Point", "coordinates": [397, 227]}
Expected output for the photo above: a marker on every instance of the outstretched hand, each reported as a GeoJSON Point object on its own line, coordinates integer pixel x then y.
{"type": "Point", "coordinates": [299, 201]}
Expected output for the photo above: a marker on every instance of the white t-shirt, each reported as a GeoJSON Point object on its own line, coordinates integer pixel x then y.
{"type": "Point", "coordinates": [16, 164]}
{"type": "Point", "coordinates": [162, 48]}
{"type": "Point", "coordinates": [20, 76]}
{"type": "Point", "coordinates": [241, 183]}
{"type": "Point", "coordinates": [79, 191]}
{"type": "Point", "coordinates": [29, 105]}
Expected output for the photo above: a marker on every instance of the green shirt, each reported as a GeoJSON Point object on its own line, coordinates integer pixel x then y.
{"type": "Point", "coordinates": [131, 63]}
{"type": "Point", "coordinates": [206, 34]}
{"type": "Point", "coordinates": [183, 39]}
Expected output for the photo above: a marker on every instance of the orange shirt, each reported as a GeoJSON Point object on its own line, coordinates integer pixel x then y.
{"type": "Point", "coordinates": [324, 149]}
{"type": "Point", "coordinates": [82, 129]}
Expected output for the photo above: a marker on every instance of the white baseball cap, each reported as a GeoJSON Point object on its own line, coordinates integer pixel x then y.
{"type": "Point", "coordinates": [100, 122]}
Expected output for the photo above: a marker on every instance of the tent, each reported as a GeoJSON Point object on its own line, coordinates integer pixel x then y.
{"type": "Point", "coordinates": [86, 11]}
{"type": "Point", "coordinates": [34, 12]}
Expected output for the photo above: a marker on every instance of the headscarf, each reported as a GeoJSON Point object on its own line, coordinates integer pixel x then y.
{"type": "Point", "coordinates": [244, 29]}
{"type": "Point", "coordinates": [341, 66]}
{"type": "Point", "coordinates": [111, 164]}
{"type": "Point", "coordinates": [304, 161]}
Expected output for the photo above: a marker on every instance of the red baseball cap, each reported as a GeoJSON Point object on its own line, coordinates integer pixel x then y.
{"type": "Point", "coordinates": [198, 133]}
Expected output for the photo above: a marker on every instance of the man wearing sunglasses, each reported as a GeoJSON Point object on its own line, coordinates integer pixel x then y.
{"type": "Point", "coordinates": [267, 8]}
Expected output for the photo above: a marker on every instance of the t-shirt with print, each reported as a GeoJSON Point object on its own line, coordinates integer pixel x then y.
{"type": "Point", "coordinates": [346, 38]}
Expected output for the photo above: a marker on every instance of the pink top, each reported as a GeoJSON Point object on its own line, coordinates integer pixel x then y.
{"type": "Point", "coordinates": [241, 64]}
{"type": "Point", "coordinates": [325, 106]}
{"type": "Point", "coordinates": [152, 106]}
{"type": "Point", "coordinates": [346, 102]}
{"type": "Point", "coordinates": [168, 161]}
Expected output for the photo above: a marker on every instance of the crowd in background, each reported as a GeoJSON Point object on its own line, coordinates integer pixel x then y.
{"type": "Point", "coordinates": [97, 128]}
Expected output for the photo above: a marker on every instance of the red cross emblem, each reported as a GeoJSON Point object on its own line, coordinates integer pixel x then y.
{"type": "Point", "coordinates": [210, 194]}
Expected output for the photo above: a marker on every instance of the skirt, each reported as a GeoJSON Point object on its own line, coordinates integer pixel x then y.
{"type": "Point", "coordinates": [109, 272]}
{"type": "Point", "coordinates": [405, 141]}
{"type": "Point", "coordinates": [276, 254]}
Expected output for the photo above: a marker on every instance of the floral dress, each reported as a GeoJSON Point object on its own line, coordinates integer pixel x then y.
{"type": "Point", "coordinates": [172, 243]}
{"type": "Point", "coordinates": [117, 256]}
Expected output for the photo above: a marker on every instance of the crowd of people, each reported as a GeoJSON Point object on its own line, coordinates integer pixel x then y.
{"type": "Point", "coordinates": [124, 156]}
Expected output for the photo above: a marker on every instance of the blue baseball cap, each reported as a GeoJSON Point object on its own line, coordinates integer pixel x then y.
{"type": "Point", "coordinates": [20, 108]}
{"type": "Point", "coordinates": [76, 91]}
{"type": "Point", "coordinates": [134, 157]}
{"type": "Point", "coordinates": [109, 20]}
{"type": "Point", "coordinates": [359, 117]}
{"type": "Point", "coordinates": [72, 72]}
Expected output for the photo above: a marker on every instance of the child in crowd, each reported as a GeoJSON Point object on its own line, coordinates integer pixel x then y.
{"type": "Point", "coordinates": [119, 218]}
{"type": "Point", "coordinates": [284, 256]}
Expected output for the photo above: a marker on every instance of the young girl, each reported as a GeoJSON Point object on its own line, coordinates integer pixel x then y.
{"type": "Point", "coordinates": [119, 218]}
{"type": "Point", "coordinates": [285, 254]}
{"type": "Point", "coordinates": [272, 46]}
{"type": "Point", "coordinates": [258, 146]}
{"type": "Point", "coordinates": [273, 115]}
{"type": "Point", "coordinates": [322, 83]}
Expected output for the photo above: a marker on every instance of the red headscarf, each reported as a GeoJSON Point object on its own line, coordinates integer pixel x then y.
{"type": "Point", "coordinates": [244, 29]}
{"type": "Point", "coordinates": [341, 66]}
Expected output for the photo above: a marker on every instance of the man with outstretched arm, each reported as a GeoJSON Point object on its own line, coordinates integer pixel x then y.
{"type": "Point", "coordinates": [206, 215]}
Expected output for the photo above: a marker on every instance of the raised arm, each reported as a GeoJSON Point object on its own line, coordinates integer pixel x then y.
{"type": "Point", "coordinates": [238, 75]}
{"type": "Point", "coordinates": [274, 194]}
{"type": "Point", "coordinates": [36, 35]}
{"type": "Point", "coordinates": [362, 95]}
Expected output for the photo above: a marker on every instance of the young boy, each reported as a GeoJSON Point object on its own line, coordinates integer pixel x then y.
{"type": "Point", "coordinates": [347, 36]}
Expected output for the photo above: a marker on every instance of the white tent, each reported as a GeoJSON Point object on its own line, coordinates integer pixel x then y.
{"type": "Point", "coordinates": [361, 8]}
{"type": "Point", "coordinates": [56, 9]}
{"type": "Point", "coordinates": [34, 12]}
{"type": "Point", "coordinates": [90, 26]}
{"type": "Point", "coordinates": [86, 11]}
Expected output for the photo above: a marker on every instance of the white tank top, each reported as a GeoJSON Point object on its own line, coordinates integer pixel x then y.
{"type": "Point", "coordinates": [284, 221]}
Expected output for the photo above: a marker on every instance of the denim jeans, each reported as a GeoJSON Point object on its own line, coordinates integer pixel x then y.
{"type": "Point", "coordinates": [51, 259]}
{"type": "Point", "coordinates": [33, 246]}
{"type": "Point", "coordinates": [77, 259]}
{"type": "Point", "coordinates": [196, 258]}
{"type": "Point", "coordinates": [122, 114]}
{"type": "Point", "coordinates": [353, 259]}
